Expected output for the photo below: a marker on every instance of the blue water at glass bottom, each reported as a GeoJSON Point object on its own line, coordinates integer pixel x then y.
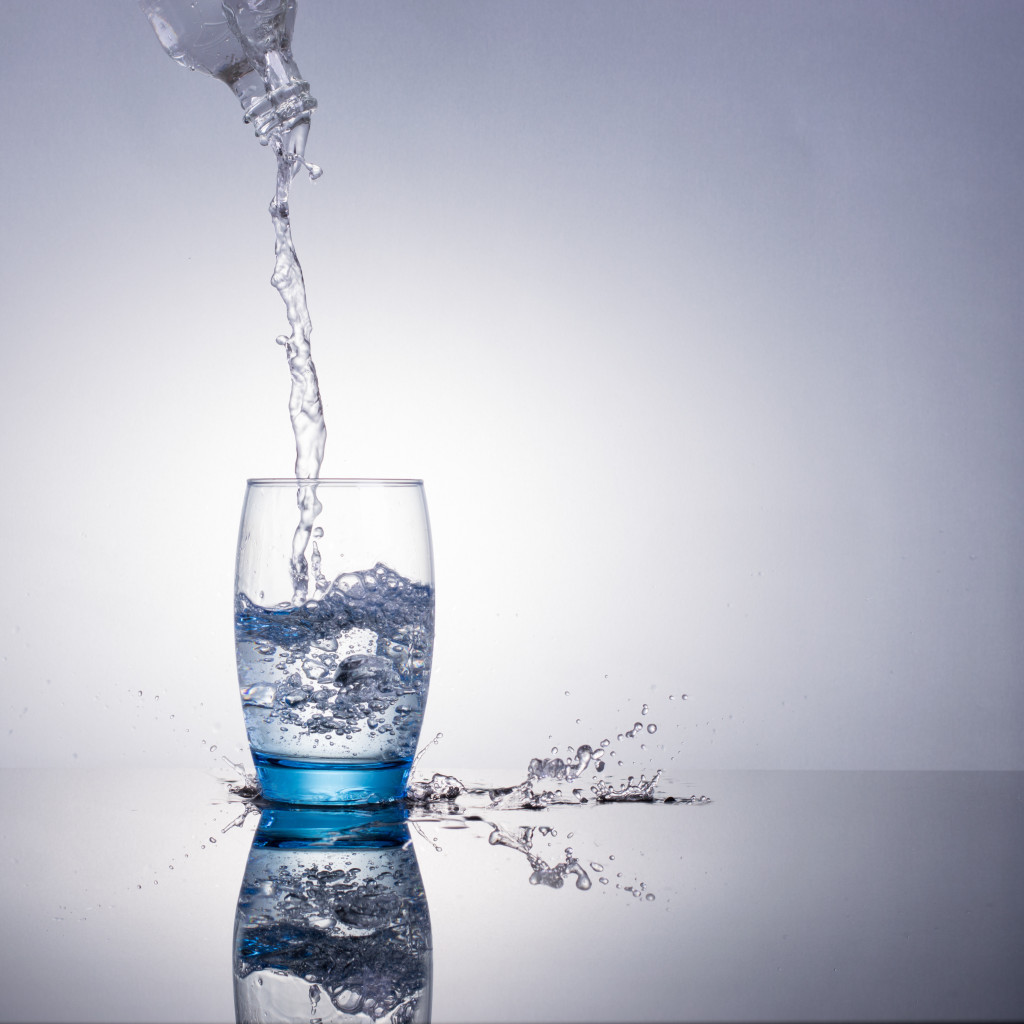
{"type": "Point", "coordinates": [294, 781]}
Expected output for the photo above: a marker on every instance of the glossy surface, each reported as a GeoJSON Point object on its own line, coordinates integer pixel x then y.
{"type": "Point", "coordinates": [792, 895]}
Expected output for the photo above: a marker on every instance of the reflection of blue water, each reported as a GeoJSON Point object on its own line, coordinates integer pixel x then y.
{"type": "Point", "coordinates": [332, 919]}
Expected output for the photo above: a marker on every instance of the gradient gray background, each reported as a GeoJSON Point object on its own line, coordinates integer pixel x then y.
{"type": "Point", "coordinates": [701, 321]}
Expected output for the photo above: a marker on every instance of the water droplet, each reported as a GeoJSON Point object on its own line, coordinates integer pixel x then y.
{"type": "Point", "coordinates": [643, 710]}
{"type": "Point", "coordinates": [213, 747]}
{"type": "Point", "coordinates": [649, 897]}
{"type": "Point", "coordinates": [652, 728]}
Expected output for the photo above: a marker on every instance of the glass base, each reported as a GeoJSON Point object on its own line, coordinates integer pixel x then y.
{"type": "Point", "coordinates": [292, 781]}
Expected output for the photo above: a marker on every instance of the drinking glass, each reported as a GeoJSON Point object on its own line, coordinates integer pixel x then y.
{"type": "Point", "coordinates": [334, 632]}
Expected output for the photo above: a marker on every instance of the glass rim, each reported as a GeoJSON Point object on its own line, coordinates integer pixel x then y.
{"type": "Point", "coordinates": [331, 481]}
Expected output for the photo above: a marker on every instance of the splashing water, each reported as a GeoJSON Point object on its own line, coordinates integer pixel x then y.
{"type": "Point", "coordinates": [535, 791]}
{"type": "Point", "coordinates": [445, 800]}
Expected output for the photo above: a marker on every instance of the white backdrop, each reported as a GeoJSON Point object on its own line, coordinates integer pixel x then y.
{"type": "Point", "coordinates": [701, 321]}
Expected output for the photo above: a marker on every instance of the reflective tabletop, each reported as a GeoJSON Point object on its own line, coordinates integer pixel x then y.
{"type": "Point", "coordinates": [785, 895]}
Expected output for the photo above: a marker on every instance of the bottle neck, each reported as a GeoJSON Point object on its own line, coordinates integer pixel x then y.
{"type": "Point", "coordinates": [274, 97]}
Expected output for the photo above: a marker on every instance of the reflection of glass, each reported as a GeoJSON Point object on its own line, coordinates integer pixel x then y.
{"type": "Point", "coordinates": [334, 630]}
{"type": "Point", "coordinates": [332, 921]}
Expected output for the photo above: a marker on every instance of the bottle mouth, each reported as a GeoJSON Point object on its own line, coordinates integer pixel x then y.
{"type": "Point", "coordinates": [282, 110]}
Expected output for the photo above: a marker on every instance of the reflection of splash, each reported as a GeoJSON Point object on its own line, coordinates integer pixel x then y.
{"type": "Point", "coordinates": [445, 799]}
{"type": "Point", "coordinates": [521, 840]}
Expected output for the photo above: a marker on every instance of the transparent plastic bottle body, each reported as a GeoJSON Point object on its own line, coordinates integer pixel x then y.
{"type": "Point", "coordinates": [247, 45]}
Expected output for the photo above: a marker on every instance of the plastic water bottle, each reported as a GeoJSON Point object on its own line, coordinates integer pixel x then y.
{"type": "Point", "coordinates": [247, 45]}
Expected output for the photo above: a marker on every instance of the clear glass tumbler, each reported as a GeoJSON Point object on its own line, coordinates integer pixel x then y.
{"type": "Point", "coordinates": [334, 633]}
